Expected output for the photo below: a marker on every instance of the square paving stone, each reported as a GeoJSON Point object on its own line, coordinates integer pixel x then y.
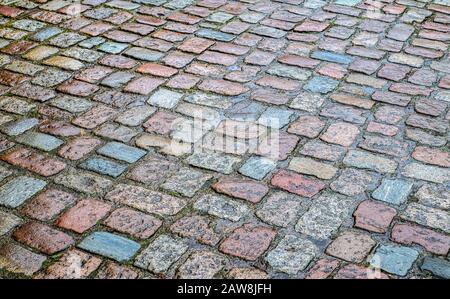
{"type": "Point", "coordinates": [292, 254]}
{"type": "Point", "coordinates": [394, 259]}
{"type": "Point", "coordinates": [112, 47]}
{"type": "Point", "coordinates": [110, 245]}
{"type": "Point", "coordinates": [104, 166]}
{"type": "Point", "coordinates": [40, 141]}
{"type": "Point", "coordinates": [165, 98]}
{"type": "Point", "coordinates": [121, 152]}
{"type": "Point", "coordinates": [393, 191]}
{"type": "Point", "coordinates": [351, 246]}
{"type": "Point", "coordinates": [18, 190]}
{"type": "Point", "coordinates": [161, 254]}
{"type": "Point", "coordinates": [282, 209]}
{"type": "Point", "coordinates": [257, 167]}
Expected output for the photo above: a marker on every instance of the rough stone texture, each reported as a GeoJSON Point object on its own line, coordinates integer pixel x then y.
{"type": "Point", "coordinates": [291, 255]}
{"type": "Point", "coordinates": [394, 259]}
{"type": "Point", "coordinates": [188, 119]}
{"type": "Point", "coordinates": [351, 246]}
{"type": "Point", "coordinates": [248, 242]}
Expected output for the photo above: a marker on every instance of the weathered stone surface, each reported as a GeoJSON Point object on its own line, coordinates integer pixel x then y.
{"type": "Point", "coordinates": [248, 242]}
{"type": "Point", "coordinates": [394, 259]}
{"type": "Point", "coordinates": [427, 216]}
{"type": "Point", "coordinates": [201, 265]}
{"type": "Point", "coordinates": [292, 254]}
{"type": "Point", "coordinates": [18, 190]}
{"type": "Point", "coordinates": [146, 200]}
{"type": "Point", "coordinates": [374, 216]}
{"type": "Point", "coordinates": [161, 254]}
{"type": "Point", "coordinates": [351, 246]}
{"type": "Point", "coordinates": [325, 215]}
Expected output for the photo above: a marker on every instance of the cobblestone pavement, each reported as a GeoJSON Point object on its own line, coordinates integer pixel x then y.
{"type": "Point", "coordinates": [228, 139]}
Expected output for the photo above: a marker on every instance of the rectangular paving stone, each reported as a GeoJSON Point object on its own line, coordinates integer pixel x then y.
{"type": "Point", "coordinates": [161, 254]}
{"type": "Point", "coordinates": [104, 166]}
{"type": "Point", "coordinates": [393, 191]}
{"type": "Point", "coordinates": [394, 259]}
{"type": "Point", "coordinates": [165, 98]}
{"type": "Point", "coordinates": [438, 267]}
{"type": "Point", "coordinates": [83, 181]}
{"type": "Point", "coordinates": [19, 189]}
{"type": "Point", "coordinates": [146, 200]}
{"type": "Point", "coordinates": [215, 35]}
{"type": "Point", "coordinates": [257, 167]}
{"type": "Point", "coordinates": [221, 207]}
{"type": "Point", "coordinates": [40, 141]}
{"type": "Point", "coordinates": [426, 172]}
{"type": "Point", "coordinates": [426, 216]}
{"type": "Point", "coordinates": [326, 215]}
{"type": "Point", "coordinates": [121, 152]}
{"type": "Point", "coordinates": [110, 245]}
{"type": "Point", "coordinates": [186, 182]}
{"type": "Point", "coordinates": [213, 161]}
{"type": "Point", "coordinates": [366, 160]}
{"type": "Point", "coordinates": [19, 127]}
{"type": "Point", "coordinates": [144, 54]}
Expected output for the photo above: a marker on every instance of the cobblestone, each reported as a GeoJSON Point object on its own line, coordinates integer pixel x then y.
{"type": "Point", "coordinates": [221, 139]}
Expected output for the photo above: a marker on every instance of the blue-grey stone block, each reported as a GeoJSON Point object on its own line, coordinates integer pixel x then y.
{"type": "Point", "coordinates": [46, 34]}
{"type": "Point", "coordinates": [394, 259]}
{"type": "Point", "coordinates": [110, 245]}
{"type": "Point", "coordinates": [104, 166]}
{"type": "Point", "coordinates": [40, 141]}
{"type": "Point", "coordinates": [121, 152]}
{"type": "Point", "coordinates": [393, 191]}
{"type": "Point", "coordinates": [215, 35]}
{"type": "Point", "coordinates": [18, 190]}
{"type": "Point", "coordinates": [332, 57]}
{"type": "Point", "coordinates": [112, 47]}
{"type": "Point", "coordinates": [321, 84]}
{"type": "Point", "coordinates": [20, 126]}
{"type": "Point", "coordinates": [438, 267]}
{"type": "Point", "coordinates": [257, 167]}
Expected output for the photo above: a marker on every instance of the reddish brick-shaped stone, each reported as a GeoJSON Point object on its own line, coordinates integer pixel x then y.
{"type": "Point", "coordinates": [432, 241]}
{"type": "Point", "coordinates": [157, 70]}
{"type": "Point", "coordinates": [78, 148]}
{"type": "Point", "coordinates": [241, 188]}
{"type": "Point", "coordinates": [161, 122]}
{"type": "Point", "coordinates": [195, 45]}
{"type": "Point", "coordinates": [297, 183]}
{"type": "Point", "coordinates": [34, 162]}
{"type": "Point", "coordinates": [432, 156]}
{"type": "Point", "coordinates": [132, 222]}
{"type": "Point", "coordinates": [143, 85]}
{"type": "Point", "coordinates": [78, 88]}
{"type": "Point", "coordinates": [248, 242]}
{"type": "Point", "coordinates": [223, 87]}
{"type": "Point", "coordinates": [48, 204]}
{"type": "Point", "coordinates": [183, 81]}
{"type": "Point", "coordinates": [43, 237]}
{"type": "Point", "coordinates": [351, 246]}
{"type": "Point", "coordinates": [84, 215]}
{"type": "Point", "coordinates": [118, 61]}
{"type": "Point", "coordinates": [374, 216]}
{"type": "Point", "coordinates": [341, 133]}
{"type": "Point", "coordinates": [59, 128]}
{"type": "Point", "coordinates": [322, 269]}
{"type": "Point", "coordinates": [300, 61]}
{"type": "Point", "coordinates": [311, 26]}
{"type": "Point", "coordinates": [94, 117]}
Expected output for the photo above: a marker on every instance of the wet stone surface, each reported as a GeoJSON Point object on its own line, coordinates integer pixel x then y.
{"type": "Point", "coordinates": [224, 139]}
